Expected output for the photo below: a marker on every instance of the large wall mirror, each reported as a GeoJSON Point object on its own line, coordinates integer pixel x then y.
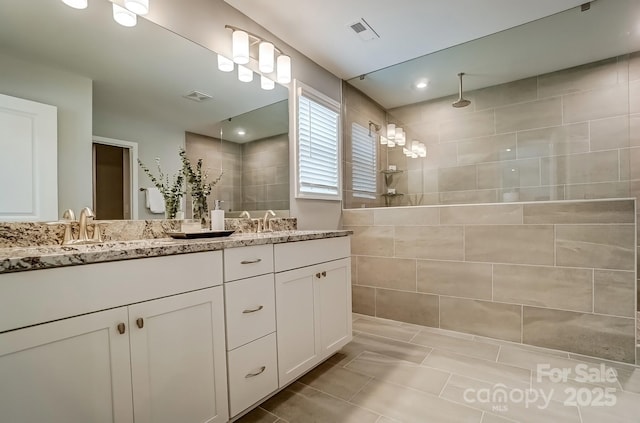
{"type": "Point", "coordinates": [553, 115]}
{"type": "Point", "coordinates": [147, 87]}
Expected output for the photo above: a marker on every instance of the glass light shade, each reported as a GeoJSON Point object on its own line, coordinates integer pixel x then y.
{"type": "Point", "coordinates": [265, 57]}
{"type": "Point", "coordinates": [139, 7]}
{"type": "Point", "coordinates": [383, 140]}
{"type": "Point", "coordinates": [415, 145]}
{"type": "Point", "coordinates": [245, 74]}
{"type": "Point", "coordinates": [266, 83]}
{"type": "Point", "coordinates": [76, 4]}
{"type": "Point", "coordinates": [406, 152]}
{"type": "Point", "coordinates": [391, 131]}
{"type": "Point", "coordinates": [123, 16]}
{"type": "Point", "coordinates": [422, 150]}
{"type": "Point", "coordinates": [224, 64]}
{"type": "Point", "coordinates": [391, 143]}
{"type": "Point", "coordinates": [240, 47]}
{"type": "Point", "coordinates": [414, 156]}
{"type": "Point", "coordinates": [400, 137]}
{"type": "Point", "coordinates": [283, 64]}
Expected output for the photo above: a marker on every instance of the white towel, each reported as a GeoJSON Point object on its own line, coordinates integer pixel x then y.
{"type": "Point", "coordinates": [155, 200]}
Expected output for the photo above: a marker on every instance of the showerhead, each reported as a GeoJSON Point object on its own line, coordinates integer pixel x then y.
{"type": "Point", "coordinates": [461, 102]}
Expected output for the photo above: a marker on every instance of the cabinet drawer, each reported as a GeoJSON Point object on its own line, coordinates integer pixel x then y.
{"type": "Point", "coordinates": [293, 255]}
{"type": "Point", "coordinates": [245, 262]}
{"type": "Point", "coordinates": [253, 373]}
{"type": "Point", "coordinates": [250, 309]}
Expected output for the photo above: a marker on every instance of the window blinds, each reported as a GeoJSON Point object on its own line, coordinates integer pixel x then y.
{"type": "Point", "coordinates": [363, 156]}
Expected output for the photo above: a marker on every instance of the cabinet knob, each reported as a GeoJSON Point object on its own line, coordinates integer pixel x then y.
{"type": "Point", "coordinates": [121, 328]}
{"type": "Point", "coordinates": [318, 275]}
{"type": "Point", "coordinates": [258, 260]}
{"type": "Point", "coordinates": [324, 274]}
{"type": "Point", "coordinates": [140, 322]}
{"type": "Point", "coordinates": [254, 374]}
{"type": "Point", "coordinates": [253, 310]}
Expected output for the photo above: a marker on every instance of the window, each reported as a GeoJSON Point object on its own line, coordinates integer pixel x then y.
{"type": "Point", "coordinates": [363, 174]}
{"type": "Point", "coordinates": [318, 141]}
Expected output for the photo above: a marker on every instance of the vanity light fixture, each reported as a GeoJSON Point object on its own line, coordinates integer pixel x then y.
{"type": "Point", "coordinates": [123, 16]}
{"type": "Point", "coordinates": [224, 64]}
{"type": "Point", "coordinates": [383, 140]}
{"type": "Point", "coordinates": [76, 4]}
{"type": "Point", "coordinates": [391, 143]}
{"type": "Point", "coordinates": [266, 83]}
{"type": "Point", "coordinates": [242, 46]}
{"type": "Point", "coordinates": [139, 7]}
{"type": "Point", "coordinates": [400, 137]}
{"type": "Point", "coordinates": [245, 74]}
{"type": "Point", "coordinates": [391, 131]}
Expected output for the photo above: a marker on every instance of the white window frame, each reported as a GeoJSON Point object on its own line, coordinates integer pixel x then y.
{"type": "Point", "coordinates": [303, 89]}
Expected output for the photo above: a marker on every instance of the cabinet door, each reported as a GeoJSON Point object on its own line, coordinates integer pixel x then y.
{"type": "Point", "coordinates": [295, 323]}
{"type": "Point", "coordinates": [334, 302]}
{"type": "Point", "coordinates": [72, 370]}
{"type": "Point", "coordinates": [178, 359]}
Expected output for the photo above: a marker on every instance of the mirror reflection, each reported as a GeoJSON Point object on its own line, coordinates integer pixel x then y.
{"type": "Point", "coordinates": [116, 88]}
{"type": "Point", "coordinates": [553, 115]}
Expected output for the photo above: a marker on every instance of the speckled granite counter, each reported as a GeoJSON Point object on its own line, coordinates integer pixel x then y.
{"type": "Point", "coordinates": [17, 259]}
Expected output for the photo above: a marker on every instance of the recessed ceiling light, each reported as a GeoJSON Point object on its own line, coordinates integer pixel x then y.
{"type": "Point", "coordinates": [241, 132]}
{"type": "Point", "coordinates": [422, 84]}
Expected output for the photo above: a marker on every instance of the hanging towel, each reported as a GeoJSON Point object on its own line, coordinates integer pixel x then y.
{"type": "Point", "coordinates": [155, 200]}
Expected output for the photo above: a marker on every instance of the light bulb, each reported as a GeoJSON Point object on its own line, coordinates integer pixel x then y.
{"type": "Point", "coordinates": [240, 47]}
{"type": "Point", "coordinates": [224, 64]}
{"type": "Point", "coordinates": [139, 7]}
{"type": "Point", "coordinates": [283, 71]}
{"type": "Point", "coordinates": [391, 131]}
{"type": "Point", "coordinates": [400, 136]}
{"type": "Point", "coordinates": [265, 57]}
{"type": "Point", "coordinates": [383, 140]}
{"type": "Point", "coordinates": [123, 16]}
{"type": "Point", "coordinates": [76, 4]}
{"type": "Point", "coordinates": [415, 145]}
{"type": "Point", "coordinates": [266, 83]}
{"type": "Point", "coordinates": [245, 74]}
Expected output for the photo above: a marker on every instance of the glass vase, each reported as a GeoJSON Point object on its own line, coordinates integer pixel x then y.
{"type": "Point", "coordinates": [199, 208]}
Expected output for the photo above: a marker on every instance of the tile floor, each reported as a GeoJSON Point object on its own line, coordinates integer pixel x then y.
{"type": "Point", "coordinates": [397, 372]}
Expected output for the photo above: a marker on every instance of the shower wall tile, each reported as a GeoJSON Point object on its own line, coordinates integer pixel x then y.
{"type": "Point", "coordinates": [590, 334]}
{"type": "Point", "coordinates": [460, 178]}
{"type": "Point", "coordinates": [407, 216]}
{"type": "Point", "coordinates": [482, 214]}
{"type": "Point", "coordinates": [469, 197]}
{"type": "Point", "coordinates": [596, 104]}
{"type": "Point", "coordinates": [614, 292]}
{"type": "Point", "coordinates": [597, 190]}
{"type": "Point", "coordinates": [363, 300]}
{"type": "Point", "coordinates": [420, 309]}
{"type": "Point", "coordinates": [372, 240]}
{"type": "Point", "coordinates": [512, 92]}
{"type": "Point", "coordinates": [429, 242]}
{"type": "Point", "coordinates": [527, 244]}
{"type": "Point", "coordinates": [458, 279]}
{"type": "Point", "coordinates": [580, 168]}
{"type": "Point", "coordinates": [580, 212]}
{"type": "Point", "coordinates": [634, 130]}
{"type": "Point", "coordinates": [634, 97]}
{"type": "Point", "coordinates": [468, 125]}
{"type": "Point", "coordinates": [542, 193]}
{"type": "Point", "coordinates": [599, 246]}
{"type": "Point", "coordinates": [357, 217]}
{"type": "Point", "coordinates": [393, 273]}
{"type": "Point", "coordinates": [487, 149]}
{"type": "Point", "coordinates": [534, 114]}
{"type": "Point", "coordinates": [587, 77]}
{"type": "Point", "coordinates": [506, 174]}
{"type": "Point", "coordinates": [482, 318]}
{"type": "Point", "coordinates": [552, 287]}
{"type": "Point", "coordinates": [554, 141]}
{"type": "Point", "coordinates": [610, 133]}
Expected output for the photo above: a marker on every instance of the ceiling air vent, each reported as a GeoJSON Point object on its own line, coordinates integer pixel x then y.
{"type": "Point", "coordinates": [364, 30]}
{"type": "Point", "coordinates": [197, 96]}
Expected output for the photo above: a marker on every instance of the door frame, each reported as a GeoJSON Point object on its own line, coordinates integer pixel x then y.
{"type": "Point", "coordinates": [133, 161]}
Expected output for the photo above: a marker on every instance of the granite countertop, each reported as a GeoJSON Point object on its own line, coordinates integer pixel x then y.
{"type": "Point", "coordinates": [18, 259]}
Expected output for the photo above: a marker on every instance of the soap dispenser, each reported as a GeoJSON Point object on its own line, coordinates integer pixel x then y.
{"type": "Point", "coordinates": [217, 216]}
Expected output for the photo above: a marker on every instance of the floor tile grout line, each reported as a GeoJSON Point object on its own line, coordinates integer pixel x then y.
{"type": "Point", "coordinates": [445, 385]}
{"type": "Point", "coordinates": [360, 390]}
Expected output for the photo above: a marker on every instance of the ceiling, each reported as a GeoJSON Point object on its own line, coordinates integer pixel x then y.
{"type": "Point", "coordinates": [139, 72]}
{"type": "Point", "coordinates": [407, 28]}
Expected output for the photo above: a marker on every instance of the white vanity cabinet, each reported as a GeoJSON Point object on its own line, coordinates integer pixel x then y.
{"type": "Point", "coordinates": [313, 298]}
{"type": "Point", "coordinates": [141, 359]}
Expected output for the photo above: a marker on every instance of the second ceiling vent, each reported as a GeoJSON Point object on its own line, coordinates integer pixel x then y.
{"type": "Point", "coordinates": [364, 30]}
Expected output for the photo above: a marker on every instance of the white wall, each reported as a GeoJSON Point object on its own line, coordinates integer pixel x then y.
{"type": "Point", "coordinates": [72, 95]}
{"type": "Point", "coordinates": [203, 21]}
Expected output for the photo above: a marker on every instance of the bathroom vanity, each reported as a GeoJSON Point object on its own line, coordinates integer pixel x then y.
{"type": "Point", "coordinates": [189, 331]}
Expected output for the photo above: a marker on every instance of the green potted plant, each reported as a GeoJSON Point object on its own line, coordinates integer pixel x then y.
{"type": "Point", "coordinates": [172, 192]}
{"type": "Point", "coordinates": [198, 185]}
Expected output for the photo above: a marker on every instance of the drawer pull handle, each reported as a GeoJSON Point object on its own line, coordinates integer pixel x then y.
{"type": "Point", "coordinates": [254, 374]}
{"type": "Point", "coordinates": [140, 322]}
{"type": "Point", "coordinates": [253, 310]}
{"type": "Point", "coordinates": [258, 260]}
{"type": "Point", "coordinates": [121, 328]}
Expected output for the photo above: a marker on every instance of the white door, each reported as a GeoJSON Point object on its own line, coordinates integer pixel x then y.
{"type": "Point", "coordinates": [334, 302]}
{"type": "Point", "coordinates": [28, 160]}
{"type": "Point", "coordinates": [72, 370]}
{"type": "Point", "coordinates": [295, 322]}
{"type": "Point", "coordinates": [178, 358]}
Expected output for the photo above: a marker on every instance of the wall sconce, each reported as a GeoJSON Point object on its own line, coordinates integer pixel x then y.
{"type": "Point", "coordinates": [245, 74]}
{"type": "Point", "coordinates": [76, 4]}
{"type": "Point", "coordinates": [224, 64]}
{"type": "Point", "coordinates": [125, 16]}
{"type": "Point", "coordinates": [266, 83]}
{"type": "Point", "coordinates": [242, 41]}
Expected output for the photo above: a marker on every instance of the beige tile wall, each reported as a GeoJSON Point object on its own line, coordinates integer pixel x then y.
{"type": "Point", "coordinates": [553, 274]}
{"type": "Point", "coordinates": [265, 174]}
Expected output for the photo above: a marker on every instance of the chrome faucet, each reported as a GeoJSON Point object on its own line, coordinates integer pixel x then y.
{"type": "Point", "coordinates": [244, 214]}
{"type": "Point", "coordinates": [85, 214]}
{"type": "Point", "coordinates": [265, 222]}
